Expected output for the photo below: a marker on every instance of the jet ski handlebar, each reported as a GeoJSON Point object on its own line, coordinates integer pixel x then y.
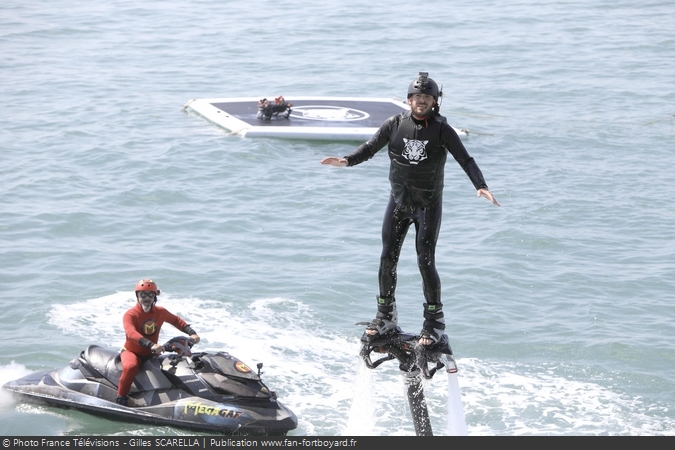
{"type": "Point", "coordinates": [178, 344]}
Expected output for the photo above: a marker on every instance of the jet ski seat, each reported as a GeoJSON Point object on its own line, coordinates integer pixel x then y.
{"type": "Point", "coordinates": [100, 357]}
{"type": "Point", "coordinates": [108, 363]}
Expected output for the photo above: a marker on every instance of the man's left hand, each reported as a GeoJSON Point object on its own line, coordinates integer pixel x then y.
{"type": "Point", "coordinates": [195, 338]}
{"type": "Point", "coordinates": [157, 349]}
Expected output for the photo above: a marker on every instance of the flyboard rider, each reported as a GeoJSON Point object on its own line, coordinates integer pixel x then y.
{"type": "Point", "coordinates": [418, 143]}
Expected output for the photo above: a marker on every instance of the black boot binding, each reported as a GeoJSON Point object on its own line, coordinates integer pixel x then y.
{"type": "Point", "coordinates": [386, 319]}
{"type": "Point", "coordinates": [411, 356]}
{"type": "Point", "coordinates": [404, 347]}
{"type": "Point", "coordinates": [434, 324]}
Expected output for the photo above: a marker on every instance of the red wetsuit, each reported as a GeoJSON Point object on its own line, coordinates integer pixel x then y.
{"type": "Point", "coordinates": [141, 329]}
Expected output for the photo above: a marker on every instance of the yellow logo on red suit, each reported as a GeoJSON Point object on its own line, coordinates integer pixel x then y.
{"type": "Point", "coordinates": [149, 327]}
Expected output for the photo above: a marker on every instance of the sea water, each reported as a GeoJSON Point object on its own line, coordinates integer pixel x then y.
{"type": "Point", "coordinates": [559, 304]}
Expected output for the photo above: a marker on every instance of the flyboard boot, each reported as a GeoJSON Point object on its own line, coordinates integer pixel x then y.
{"type": "Point", "coordinates": [437, 352]}
{"type": "Point", "coordinates": [434, 323]}
{"type": "Point", "coordinates": [382, 333]}
{"type": "Point", "coordinates": [394, 343]}
{"type": "Point", "coordinates": [386, 319]}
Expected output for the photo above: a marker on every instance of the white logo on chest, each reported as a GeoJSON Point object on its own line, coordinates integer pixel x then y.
{"type": "Point", "coordinates": [414, 151]}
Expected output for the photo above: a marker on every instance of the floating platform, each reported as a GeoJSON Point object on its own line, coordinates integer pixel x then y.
{"type": "Point", "coordinates": [313, 118]}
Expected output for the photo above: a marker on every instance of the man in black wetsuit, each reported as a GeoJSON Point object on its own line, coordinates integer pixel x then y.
{"type": "Point", "coordinates": [418, 144]}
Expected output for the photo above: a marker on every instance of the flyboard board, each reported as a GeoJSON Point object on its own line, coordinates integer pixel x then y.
{"type": "Point", "coordinates": [416, 362]}
{"type": "Point", "coordinates": [312, 118]}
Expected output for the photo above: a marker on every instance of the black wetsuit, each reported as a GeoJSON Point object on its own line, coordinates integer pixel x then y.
{"type": "Point", "coordinates": [418, 151]}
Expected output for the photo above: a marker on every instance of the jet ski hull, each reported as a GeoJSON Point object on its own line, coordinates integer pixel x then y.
{"type": "Point", "coordinates": [166, 405]}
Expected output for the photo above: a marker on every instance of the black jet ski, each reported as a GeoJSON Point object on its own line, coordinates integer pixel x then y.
{"type": "Point", "coordinates": [212, 392]}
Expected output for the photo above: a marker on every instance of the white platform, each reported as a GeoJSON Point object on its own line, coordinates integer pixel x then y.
{"type": "Point", "coordinates": [314, 118]}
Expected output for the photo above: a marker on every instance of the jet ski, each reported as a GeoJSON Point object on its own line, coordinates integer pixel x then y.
{"type": "Point", "coordinates": [211, 392]}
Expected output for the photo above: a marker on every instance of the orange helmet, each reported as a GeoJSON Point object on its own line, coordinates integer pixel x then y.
{"type": "Point", "coordinates": [147, 285]}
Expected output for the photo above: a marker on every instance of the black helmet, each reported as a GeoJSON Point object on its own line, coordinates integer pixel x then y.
{"type": "Point", "coordinates": [424, 85]}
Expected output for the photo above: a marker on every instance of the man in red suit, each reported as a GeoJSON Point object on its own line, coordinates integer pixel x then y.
{"type": "Point", "coordinates": [141, 327]}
